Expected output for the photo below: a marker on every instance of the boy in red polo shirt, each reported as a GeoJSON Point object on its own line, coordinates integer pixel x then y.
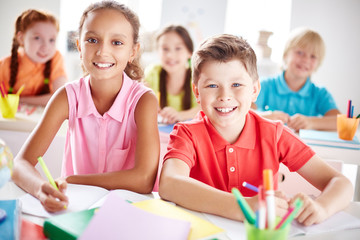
{"type": "Point", "coordinates": [227, 143]}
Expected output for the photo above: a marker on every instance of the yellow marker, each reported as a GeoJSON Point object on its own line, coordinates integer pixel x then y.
{"type": "Point", "coordinates": [20, 89]}
{"type": "Point", "coordinates": [47, 173]}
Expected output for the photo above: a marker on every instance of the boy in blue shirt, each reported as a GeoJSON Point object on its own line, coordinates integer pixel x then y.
{"type": "Point", "coordinates": [291, 96]}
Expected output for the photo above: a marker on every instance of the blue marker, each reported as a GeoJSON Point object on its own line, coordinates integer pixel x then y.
{"type": "Point", "coordinates": [251, 187]}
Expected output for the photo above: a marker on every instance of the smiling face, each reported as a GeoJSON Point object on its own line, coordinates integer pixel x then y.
{"type": "Point", "coordinates": [225, 92]}
{"type": "Point", "coordinates": [301, 62]}
{"type": "Point", "coordinates": [106, 44]}
{"type": "Point", "coordinates": [39, 41]}
{"type": "Point", "coordinates": [173, 52]}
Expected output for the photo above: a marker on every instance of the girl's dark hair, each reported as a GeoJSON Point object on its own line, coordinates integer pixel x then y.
{"type": "Point", "coordinates": [133, 69]}
{"type": "Point", "coordinates": [26, 20]}
{"type": "Point", "coordinates": [185, 36]}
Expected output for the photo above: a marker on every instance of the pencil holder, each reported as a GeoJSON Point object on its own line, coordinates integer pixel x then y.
{"type": "Point", "coordinates": [346, 127]}
{"type": "Point", "coordinates": [9, 105]}
{"type": "Point", "coordinates": [253, 233]}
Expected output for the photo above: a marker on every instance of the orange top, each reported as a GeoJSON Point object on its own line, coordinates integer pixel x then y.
{"type": "Point", "coordinates": [31, 73]}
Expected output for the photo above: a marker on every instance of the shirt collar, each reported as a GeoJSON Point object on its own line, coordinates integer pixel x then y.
{"type": "Point", "coordinates": [247, 137]}
{"type": "Point", "coordinates": [284, 89]}
{"type": "Point", "coordinates": [87, 107]}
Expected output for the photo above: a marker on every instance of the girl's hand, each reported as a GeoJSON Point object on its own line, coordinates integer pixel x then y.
{"type": "Point", "coordinates": [52, 199]}
{"type": "Point", "coordinates": [169, 115]}
{"type": "Point", "coordinates": [311, 212]}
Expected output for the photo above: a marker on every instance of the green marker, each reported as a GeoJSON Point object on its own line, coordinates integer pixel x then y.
{"type": "Point", "coordinates": [298, 204]}
{"type": "Point", "coordinates": [244, 206]}
{"type": "Point", "coordinates": [47, 173]}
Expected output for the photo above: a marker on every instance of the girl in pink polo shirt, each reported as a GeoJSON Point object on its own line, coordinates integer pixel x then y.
{"type": "Point", "coordinates": [112, 139]}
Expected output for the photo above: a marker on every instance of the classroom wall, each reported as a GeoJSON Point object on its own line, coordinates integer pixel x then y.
{"type": "Point", "coordinates": [338, 22]}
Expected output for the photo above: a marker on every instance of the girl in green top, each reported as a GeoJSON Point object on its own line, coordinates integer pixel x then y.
{"type": "Point", "coordinates": [171, 80]}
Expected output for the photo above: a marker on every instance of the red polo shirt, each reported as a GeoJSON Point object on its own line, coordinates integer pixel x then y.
{"type": "Point", "coordinates": [262, 144]}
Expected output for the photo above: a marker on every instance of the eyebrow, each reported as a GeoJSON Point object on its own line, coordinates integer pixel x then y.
{"type": "Point", "coordinates": [113, 35]}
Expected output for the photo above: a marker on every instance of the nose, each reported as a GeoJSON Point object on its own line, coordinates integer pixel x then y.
{"type": "Point", "coordinates": [224, 94]}
{"type": "Point", "coordinates": [102, 49]}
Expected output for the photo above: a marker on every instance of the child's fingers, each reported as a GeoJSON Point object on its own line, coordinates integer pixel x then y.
{"type": "Point", "coordinates": [62, 184]}
{"type": "Point", "coordinates": [52, 199]}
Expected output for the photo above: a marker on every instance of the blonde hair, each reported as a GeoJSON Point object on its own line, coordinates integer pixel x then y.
{"type": "Point", "coordinates": [306, 38]}
{"type": "Point", "coordinates": [224, 48]}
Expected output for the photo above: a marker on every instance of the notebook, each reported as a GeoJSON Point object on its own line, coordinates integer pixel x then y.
{"type": "Point", "coordinates": [31, 231]}
{"type": "Point", "coordinates": [200, 228]}
{"type": "Point", "coordinates": [81, 197]}
{"type": "Point", "coordinates": [10, 225]}
{"type": "Point", "coordinates": [118, 219]}
{"type": "Point", "coordinates": [327, 139]}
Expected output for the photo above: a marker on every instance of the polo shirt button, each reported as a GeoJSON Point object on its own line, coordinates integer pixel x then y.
{"type": "Point", "coordinates": [231, 150]}
{"type": "Point", "coordinates": [232, 169]}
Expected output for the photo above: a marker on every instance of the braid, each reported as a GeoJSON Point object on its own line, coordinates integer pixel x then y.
{"type": "Point", "coordinates": [14, 64]}
{"type": "Point", "coordinates": [186, 101]}
{"type": "Point", "coordinates": [162, 88]}
{"type": "Point", "coordinates": [47, 70]}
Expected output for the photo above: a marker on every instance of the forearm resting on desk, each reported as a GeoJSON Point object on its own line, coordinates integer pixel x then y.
{"type": "Point", "coordinates": [132, 179]}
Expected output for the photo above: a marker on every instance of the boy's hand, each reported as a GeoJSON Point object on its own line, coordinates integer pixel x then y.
{"type": "Point", "coordinates": [52, 199]}
{"type": "Point", "coordinates": [278, 115]}
{"type": "Point", "coordinates": [281, 203]}
{"type": "Point", "coordinates": [299, 121]}
{"type": "Point", "coordinates": [311, 212]}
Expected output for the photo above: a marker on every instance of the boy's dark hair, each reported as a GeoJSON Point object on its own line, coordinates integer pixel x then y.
{"type": "Point", "coordinates": [133, 69]}
{"type": "Point", "coordinates": [26, 20]}
{"type": "Point", "coordinates": [224, 48]}
{"type": "Point", "coordinates": [185, 36]}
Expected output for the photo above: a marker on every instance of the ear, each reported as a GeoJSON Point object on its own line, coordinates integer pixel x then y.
{"type": "Point", "coordinates": [256, 90]}
{"type": "Point", "coordinates": [78, 47]}
{"type": "Point", "coordinates": [196, 92]}
{"type": "Point", "coordinates": [20, 38]}
{"type": "Point", "coordinates": [134, 52]}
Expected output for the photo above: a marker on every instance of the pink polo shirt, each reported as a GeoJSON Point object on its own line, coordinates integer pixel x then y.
{"type": "Point", "coordinates": [95, 143]}
{"type": "Point", "coordinates": [263, 144]}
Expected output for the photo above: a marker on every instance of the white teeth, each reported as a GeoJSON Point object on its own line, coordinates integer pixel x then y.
{"type": "Point", "coordinates": [104, 65]}
{"type": "Point", "coordinates": [225, 110]}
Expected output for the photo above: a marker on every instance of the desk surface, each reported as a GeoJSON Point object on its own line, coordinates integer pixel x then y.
{"type": "Point", "coordinates": [11, 191]}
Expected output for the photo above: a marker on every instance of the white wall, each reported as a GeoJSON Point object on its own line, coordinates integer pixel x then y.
{"type": "Point", "coordinates": [338, 22]}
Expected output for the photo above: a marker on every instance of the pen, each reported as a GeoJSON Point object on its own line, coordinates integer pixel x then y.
{"type": "Point", "coordinates": [20, 89]}
{"type": "Point", "coordinates": [298, 204]}
{"type": "Point", "coordinates": [291, 209]}
{"type": "Point", "coordinates": [244, 206]}
{"type": "Point", "coordinates": [31, 111]}
{"type": "Point", "coordinates": [2, 91]}
{"type": "Point", "coordinates": [262, 209]}
{"type": "Point", "coordinates": [269, 197]}
{"type": "Point", "coordinates": [251, 187]}
{"type": "Point", "coordinates": [348, 108]}
{"type": "Point", "coordinates": [47, 173]}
